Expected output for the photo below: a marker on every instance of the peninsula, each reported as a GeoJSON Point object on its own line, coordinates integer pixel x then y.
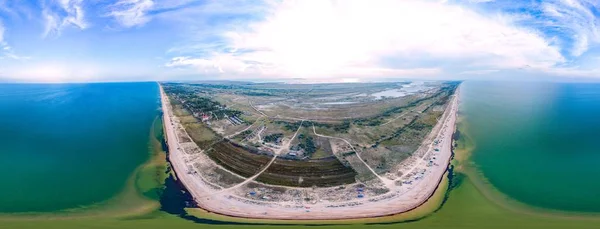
{"type": "Point", "coordinates": [310, 152]}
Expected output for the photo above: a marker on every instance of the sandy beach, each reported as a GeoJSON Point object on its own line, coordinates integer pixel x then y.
{"type": "Point", "coordinates": [420, 180]}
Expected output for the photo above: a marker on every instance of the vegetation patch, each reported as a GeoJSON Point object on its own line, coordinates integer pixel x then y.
{"type": "Point", "coordinates": [196, 103]}
{"type": "Point", "coordinates": [273, 138]}
{"type": "Point", "coordinates": [237, 159]}
{"type": "Point", "coordinates": [307, 143]}
{"type": "Point", "coordinates": [321, 173]}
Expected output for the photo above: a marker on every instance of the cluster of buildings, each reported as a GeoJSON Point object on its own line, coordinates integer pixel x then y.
{"type": "Point", "coordinates": [203, 116]}
{"type": "Point", "coordinates": [206, 117]}
{"type": "Point", "coordinates": [234, 120]}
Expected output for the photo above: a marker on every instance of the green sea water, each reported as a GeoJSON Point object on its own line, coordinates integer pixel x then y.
{"type": "Point", "coordinates": [539, 143]}
{"type": "Point", "coordinates": [65, 146]}
{"type": "Point", "coordinates": [69, 145]}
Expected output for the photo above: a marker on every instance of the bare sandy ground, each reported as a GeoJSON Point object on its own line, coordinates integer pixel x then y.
{"type": "Point", "coordinates": [420, 180]}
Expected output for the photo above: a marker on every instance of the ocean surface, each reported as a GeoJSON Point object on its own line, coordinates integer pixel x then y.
{"type": "Point", "coordinates": [64, 146]}
{"type": "Point", "coordinates": [71, 145]}
{"type": "Point", "coordinates": [539, 143]}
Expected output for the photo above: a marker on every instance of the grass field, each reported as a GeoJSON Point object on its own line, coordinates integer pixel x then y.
{"type": "Point", "coordinates": [327, 172]}
{"type": "Point", "coordinates": [239, 160]}
{"type": "Point", "coordinates": [322, 173]}
{"type": "Point", "coordinates": [236, 159]}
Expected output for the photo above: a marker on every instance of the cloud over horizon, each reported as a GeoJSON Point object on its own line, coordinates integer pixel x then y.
{"type": "Point", "coordinates": [361, 35]}
{"type": "Point", "coordinates": [60, 14]}
{"type": "Point", "coordinates": [309, 39]}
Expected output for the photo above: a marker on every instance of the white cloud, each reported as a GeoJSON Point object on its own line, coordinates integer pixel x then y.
{"type": "Point", "coordinates": [52, 72]}
{"type": "Point", "coordinates": [574, 72]}
{"type": "Point", "coordinates": [479, 72]}
{"type": "Point", "coordinates": [214, 65]}
{"type": "Point", "coordinates": [130, 13]}
{"type": "Point", "coordinates": [1, 31]}
{"type": "Point", "coordinates": [337, 38]}
{"type": "Point", "coordinates": [481, 1]}
{"type": "Point", "coordinates": [577, 18]}
{"type": "Point", "coordinates": [237, 67]}
{"type": "Point", "coordinates": [51, 23]}
{"type": "Point", "coordinates": [61, 14]}
{"type": "Point", "coordinates": [75, 13]}
{"type": "Point", "coordinates": [15, 9]}
{"type": "Point", "coordinates": [199, 63]}
{"type": "Point", "coordinates": [8, 52]}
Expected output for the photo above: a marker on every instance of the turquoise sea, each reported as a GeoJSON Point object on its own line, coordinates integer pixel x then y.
{"type": "Point", "coordinates": [539, 143]}
{"type": "Point", "coordinates": [69, 145]}
{"type": "Point", "coordinates": [63, 146]}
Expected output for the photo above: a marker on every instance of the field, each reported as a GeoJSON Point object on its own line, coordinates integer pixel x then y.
{"type": "Point", "coordinates": [236, 159]}
{"type": "Point", "coordinates": [323, 173]}
{"type": "Point", "coordinates": [326, 172]}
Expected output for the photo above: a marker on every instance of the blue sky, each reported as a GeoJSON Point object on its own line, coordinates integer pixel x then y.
{"type": "Point", "coordinates": [130, 40]}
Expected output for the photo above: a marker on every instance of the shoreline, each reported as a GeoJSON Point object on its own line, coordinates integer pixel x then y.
{"type": "Point", "coordinates": [387, 208]}
{"type": "Point", "coordinates": [112, 207]}
{"type": "Point", "coordinates": [500, 199]}
{"type": "Point", "coordinates": [391, 218]}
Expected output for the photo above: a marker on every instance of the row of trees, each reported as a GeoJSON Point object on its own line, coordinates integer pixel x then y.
{"type": "Point", "coordinates": [200, 104]}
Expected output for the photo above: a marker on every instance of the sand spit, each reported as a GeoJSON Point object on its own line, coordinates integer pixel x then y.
{"type": "Point", "coordinates": [420, 177]}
